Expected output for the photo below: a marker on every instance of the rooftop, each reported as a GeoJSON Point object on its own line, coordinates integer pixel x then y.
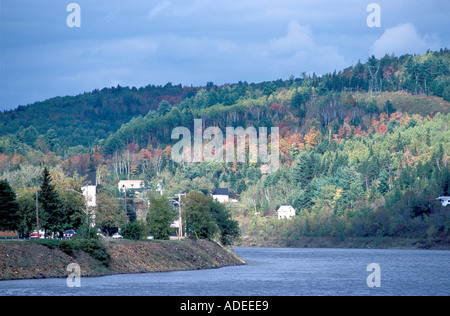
{"type": "Point", "coordinates": [221, 191]}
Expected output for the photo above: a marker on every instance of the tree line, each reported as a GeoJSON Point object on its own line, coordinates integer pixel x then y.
{"type": "Point", "coordinates": [55, 211]}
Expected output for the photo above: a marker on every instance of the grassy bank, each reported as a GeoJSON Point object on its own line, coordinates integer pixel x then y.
{"type": "Point", "coordinates": [347, 242]}
{"type": "Point", "coordinates": [49, 259]}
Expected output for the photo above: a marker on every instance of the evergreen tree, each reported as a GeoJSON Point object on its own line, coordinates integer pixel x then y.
{"type": "Point", "coordinates": [130, 206]}
{"type": "Point", "coordinates": [51, 213]}
{"type": "Point", "coordinates": [164, 107]}
{"type": "Point", "coordinates": [9, 208]}
{"type": "Point", "coordinates": [306, 167]}
{"type": "Point", "coordinates": [298, 103]}
{"type": "Point", "coordinates": [444, 182]}
{"type": "Point", "coordinates": [389, 108]}
{"type": "Point", "coordinates": [383, 182]}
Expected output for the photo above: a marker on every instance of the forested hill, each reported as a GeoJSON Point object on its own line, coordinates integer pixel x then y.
{"type": "Point", "coordinates": [363, 151]}
{"type": "Point", "coordinates": [86, 118]}
{"type": "Point", "coordinates": [59, 123]}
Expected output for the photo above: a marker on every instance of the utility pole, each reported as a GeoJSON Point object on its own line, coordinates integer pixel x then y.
{"type": "Point", "coordinates": [125, 201]}
{"type": "Point", "coordinates": [179, 214]}
{"type": "Point", "coordinates": [37, 208]}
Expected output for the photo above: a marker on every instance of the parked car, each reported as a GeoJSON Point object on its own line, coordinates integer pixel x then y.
{"type": "Point", "coordinates": [69, 233]}
{"type": "Point", "coordinates": [117, 236]}
{"type": "Point", "coordinates": [34, 235]}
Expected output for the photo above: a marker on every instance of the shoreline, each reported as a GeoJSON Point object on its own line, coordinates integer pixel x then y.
{"type": "Point", "coordinates": [21, 260]}
{"type": "Point", "coordinates": [30, 260]}
{"type": "Point", "coordinates": [347, 242]}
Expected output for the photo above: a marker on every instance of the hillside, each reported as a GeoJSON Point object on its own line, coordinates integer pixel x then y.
{"type": "Point", "coordinates": [57, 124]}
{"type": "Point", "coordinates": [87, 118]}
{"type": "Point", "coordinates": [362, 155]}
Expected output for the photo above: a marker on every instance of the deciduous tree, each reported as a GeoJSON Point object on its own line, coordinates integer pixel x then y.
{"type": "Point", "coordinates": [161, 215]}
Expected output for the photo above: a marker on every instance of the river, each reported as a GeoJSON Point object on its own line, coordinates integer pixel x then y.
{"type": "Point", "coordinates": [274, 272]}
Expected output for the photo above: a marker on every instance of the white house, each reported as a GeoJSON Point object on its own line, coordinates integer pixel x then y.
{"type": "Point", "coordinates": [221, 195]}
{"type": "Point", "coordinates": [286, 211]}
{"type": "Point", "coordinates": [131, 184]}
{"type": "Point", "coordinates": [90, 193]}
{"type": "Point", "coordinates": [445, 200]}
{"type": "Point", "coordinates": [90, 189]}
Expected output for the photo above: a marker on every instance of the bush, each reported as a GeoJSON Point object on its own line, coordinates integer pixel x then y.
{"type": "Point", "coordinates": [86, 231]}
{"type": "Point", "coordinates": [134, 231]}
{"type": "Point", "coordinates": [96, 250]}
{"type": "Point", "coordinates": [49, 243]}
{"type": "Point", "coordinates": [92, 247]}
{"type": "Point", "coordinates": [67, 247]}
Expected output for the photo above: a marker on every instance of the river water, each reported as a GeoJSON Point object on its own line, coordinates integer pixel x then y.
{"type": "Point", "coordinates": [274, 272]}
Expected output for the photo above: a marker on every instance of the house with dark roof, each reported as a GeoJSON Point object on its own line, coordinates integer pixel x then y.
{"type": "Point", "coordinates": [221, 195]}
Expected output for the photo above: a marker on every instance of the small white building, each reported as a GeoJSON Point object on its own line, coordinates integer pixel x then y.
{"type": "Point", "coordinates": [90, 193]}
{"type": "Point", "coordinates": [286, 211]}
{"type": "Point", "coordinates": [90, 189]}
{"type": "Point", "coordinates": [130, 185]}
{"type": "Point", "coordinates": [221, 195]}
{"type": "Point", "coordinates": [445, 200]}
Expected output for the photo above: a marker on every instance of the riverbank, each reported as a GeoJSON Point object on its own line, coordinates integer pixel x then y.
{"type": "Point", "coordinates": [347, 242]}
{"type": "Point", "coordinates": [31, 260]}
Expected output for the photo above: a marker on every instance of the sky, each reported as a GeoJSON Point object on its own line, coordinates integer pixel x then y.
{"type": "Point", "coordinates": [192, 42]}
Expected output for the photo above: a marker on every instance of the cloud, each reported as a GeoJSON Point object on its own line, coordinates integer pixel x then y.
{"type": "Point", "coordinates": [299, 51]}
{"type": "Point", "coordinates": [180, 8]}
{"type": "Point", "coordinates": [298, 38]}
{"type": "Point", "coordinates": [196, 41]}
{"type": "Point", "coordinates": [403, 39]}
{"type": "Point", "coordinates": [159, 8]}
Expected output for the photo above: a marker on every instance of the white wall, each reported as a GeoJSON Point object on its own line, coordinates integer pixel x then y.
{"type": "Point", "coordinates": [91, 194]}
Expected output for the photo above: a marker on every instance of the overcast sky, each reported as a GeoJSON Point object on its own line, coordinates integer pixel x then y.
{"type": "Point", "coordinates": [141, 42]}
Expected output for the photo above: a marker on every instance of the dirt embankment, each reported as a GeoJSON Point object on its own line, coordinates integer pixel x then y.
{"type": "Point", "coordinates": [29, 260]}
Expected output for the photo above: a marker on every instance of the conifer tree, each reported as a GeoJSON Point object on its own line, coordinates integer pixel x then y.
{"type": "Point", "coordinates": [51, 213]}
{"type": "Point", "coordinates": [383, 182]}
{"type": "Point", "coordinates": [9, 208]}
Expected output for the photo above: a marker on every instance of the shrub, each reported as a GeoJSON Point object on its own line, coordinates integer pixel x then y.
{"type": "Point", "coordinates": [92, 247]}
{"type": "Point", "coordinates": [134, 231]}
{"type": "Point", "coordinates": [67, 247]}
{"type": "Point", "coordinates": [49, 243]}
{"type": "Point", "coordinates": [96, 250]}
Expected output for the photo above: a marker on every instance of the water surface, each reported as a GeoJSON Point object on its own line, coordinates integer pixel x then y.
{"type": "Point", "coordinates": [273, 272]}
